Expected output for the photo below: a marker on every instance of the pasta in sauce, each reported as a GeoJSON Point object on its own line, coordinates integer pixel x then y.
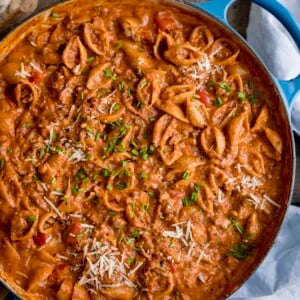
{"type": "Point", "coordinates": [140, 158]}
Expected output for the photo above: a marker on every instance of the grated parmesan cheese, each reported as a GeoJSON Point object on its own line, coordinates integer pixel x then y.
{"type": "Point", "coordinates": [22, 73]}
{"type": "Point", "coordinates": [202, 254]}
{"type": "Point", "coordinates": [35, 66]}
{"type": "Point", "coordinates": [53, 207]}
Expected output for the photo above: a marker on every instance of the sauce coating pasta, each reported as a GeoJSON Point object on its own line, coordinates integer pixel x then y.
{"type": "Point", "coordinates": [140, 157]}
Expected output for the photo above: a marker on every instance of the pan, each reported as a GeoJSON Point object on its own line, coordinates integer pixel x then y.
{"type": "Point", "coordinates": [285, 93]}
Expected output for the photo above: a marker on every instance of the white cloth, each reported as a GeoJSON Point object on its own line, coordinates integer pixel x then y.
{"type": "Point", "coordinates": [278, 278]}
{"type": "Point", "coordinates": [272, 42]}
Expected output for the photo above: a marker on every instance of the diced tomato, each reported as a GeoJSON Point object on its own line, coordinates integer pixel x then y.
{"type": "Point", "coordinates": [204, 97]}
{"type": "Point", "coordinates": [40, 239]}
{"type": "Point", "coordinates": [172, 267]}
{"type": "Point", "coordinates": [75, 229]}
{"type": "Point", "coordinates": [35, 77]}
{"type": "Point", "coordinates": [165, 20]}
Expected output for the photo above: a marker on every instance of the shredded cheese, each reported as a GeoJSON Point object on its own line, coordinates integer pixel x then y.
{"type": "Point", "coordinates": [35, 66]}
{"type": "Point", "coordinates": [53, 207]}
{"type": "Point", "coordinates": [22, 73]}
{"type": "Point", "coordinates": [202, 254]}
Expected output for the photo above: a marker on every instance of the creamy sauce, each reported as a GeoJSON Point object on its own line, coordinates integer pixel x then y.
{"type": "Point", "coordinates": [139, 157]}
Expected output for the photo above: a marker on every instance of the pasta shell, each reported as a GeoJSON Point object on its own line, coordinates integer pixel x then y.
{"type": "Point", "coordinates": [80, 292]}
{"type": "Point", "coordinates": [75, 55]}
{"type": "Point", "coordinates": [223, 114]}
{"type": "Point", "coordinates": [238, 129]}
{"type": "Point", "coordinates": [172, 109]}
{"type": "Point", "coordinates": [97, 78]}
{"type": "Point", "coordinates": [205, 199]}
{"type": "Point", "coordinates": [161, 39]}
{"type": "Point", "coordinates": [130, 26]}
{"type": "Point", "coordinates": [183, 55]}
{"type": "Point", "coordinates": [213, 141]}
{"type": "Point", "coordinates": [236, 83]}
{"type": "Point", "coordinates": [201, 38]}
{"type": "Point", "coordinates": [123, 292]}
{"type": "Point", "coordinates": [38, 275]}
{"type": "Point", "coordinates": [196, 113]}
{"type": "Point", "coordinates": [217, 178]}
{"type": "Point", "coordinates": [160, 127]}
{"type": "Point", "coordinates": [179, 94]}
{"type": "Point", "coordinates": [149, 88]}
{"type": "Point", "coordinates": [65, 289]}
{"type": "Point", "coordinates": [21, 228]}
{"type": "Point", "coordinates": [166, 277]}
{"type": "Point", "coordinates": [165, 137]}
{"type": "Point", "coordinates": [276, 142]}
{"type": "Point", "coordinates": [262, 120]}
{"type": "Point", "coordinates": [121, 183]}
{"type": "Point", "coordinates": [252, 161]}
{"type": "Point", "coordinates": [96, 37]}
{"type": "Point", "coordinates": [7, 127]}
{"type": "Point", "coordinates": [141, 61]}
{"type": "Point", "coordinates": [26, 93]}
{"type": "Point", "coordinates": [223, 52]}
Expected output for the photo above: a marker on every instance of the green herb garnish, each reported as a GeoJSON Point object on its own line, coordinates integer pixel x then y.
{"type": "Point", "coordinates": [239, 251]}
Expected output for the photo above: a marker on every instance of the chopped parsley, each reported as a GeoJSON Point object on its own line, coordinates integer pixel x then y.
{"type": "Point", "coordinates": [139, 104]}
{"type": "Point", "coordinates": [76, 189]}
{"type": "Point", "coordinates": [185, 175]}
{"type": "Point", "coordinates": [122, 185]}
{"type": "Point", "coordinates": [111, 213]}
{"type": "Point", "coordinates": [145, 207]}
{"type": "Point", "coordinates": [90, 131]}
{"type": "Point", "coordinates": [108, 74]}
{"type": "Point", "coordinates": [193, 197]}
{"type": "Point", "coordinates": [130, 241]}
{"type": "Point", "coordinates": [151, 194]}
{"type": "Point", "coordinates": [130, 260]}
{"type": "Point", "coordinates": [121, 86]}
{"type": "Point", "coordinates": [236, 225]}
{"type": "Point", "coordinates": [109, 187]}
{"type": "Point", "coordinates": [241, 96]}
{"type": "Point", "coordinates": [118, 45]}
{"type": "Point", "coordinates": [239, 251]}
{"type": "Point", "coordinates": [31, 218]}
{"type": "Point", "coordinates": [135, 234]}
{"type": "Point", "coordinates": [55, 15]}
{"type": "Point", "coordinates": [210, 83]}
{"type": "Point", "coordinates": [115, 124]}
{"type": "Point", "coordinates": [143, 83]}
{"type": "Point", "coordinates": [143, 175]}
{"type": "Point", "coordinates": [218, 102]}
{"type": "Point", "coordinates": [225, 86]}
{"type": "Point", "coordinates": [105, 173]}
{"type": "Point", "coordinates": [253, 97]}
{"type": "Point", "coordinates": [135, 152]}
{"type": "Point", "coordinates": [115, 107]}
{"type": "Point", "coordinates": [90, 59]}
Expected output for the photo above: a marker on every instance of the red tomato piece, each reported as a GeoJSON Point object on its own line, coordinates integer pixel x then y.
{"type": "Point", "coordinates": [74, 230]}
{"type": "Point", "coordinates": [40, 239]}
{"type": "Point", "coordinates": [165, 20]}
{"type": "Point", "coordinates": [172, 267]}
{"type": "Point", "coordinates": [204, 97]}
{"type": "Point", "coordinates": [35, 77]}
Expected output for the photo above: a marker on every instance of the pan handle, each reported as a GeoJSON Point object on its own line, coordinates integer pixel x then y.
{"type": "Point", "coordinates": [290, 90]}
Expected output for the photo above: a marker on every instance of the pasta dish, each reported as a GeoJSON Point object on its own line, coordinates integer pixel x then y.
{"type": "Point", "coordinates": [141, 156]}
